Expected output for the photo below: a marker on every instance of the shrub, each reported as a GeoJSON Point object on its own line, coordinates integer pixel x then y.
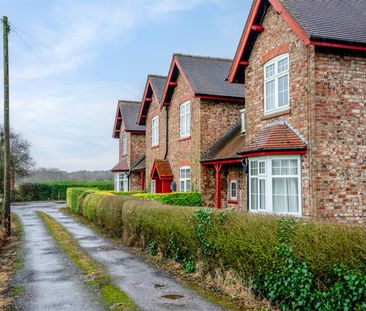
{"type": "Point", "coordinates": [124, 193]}
{"type": "Point", "coordinates": [55, 190]}
{"type": "Point", "coordinates": [284, 259]}
{"type": "Point", "coordinates": [176, 198]}
{"type": "Point", "coordinates": [74, 197]}
{"type": "Point", "coordinates": [292, 286]}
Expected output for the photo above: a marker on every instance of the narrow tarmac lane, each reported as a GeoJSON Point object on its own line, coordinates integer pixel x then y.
{"type": "Point", "coordinates": [49, 280]}
{"type": "Point", "coordinates": [150, 288]}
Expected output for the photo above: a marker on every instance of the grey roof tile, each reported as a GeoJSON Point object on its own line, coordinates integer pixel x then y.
{"type": "Point", "coordinates": [158, 83]}
{"type": "Point", "coordinates": [140, 164]}
{"type": "Point", "coordinates": [129, 112]}
{"type": "Point", "coordinates": [227, 146]}
{"type": "Point", "coordinates": [207, 76]}
{"type": "Point", "coordinates": [334, 20]}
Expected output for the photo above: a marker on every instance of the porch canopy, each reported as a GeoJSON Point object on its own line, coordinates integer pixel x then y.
{"type": "Point", "coordinates": [121, 166]}
{"type": "Point", "coordinates": [224, 152]}
{"type": "Point", "coordinates": [274, 139]}
{"type": "Point", "coordinates": [162, 174]}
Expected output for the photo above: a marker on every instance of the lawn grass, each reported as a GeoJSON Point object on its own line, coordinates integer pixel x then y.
{"type": "Point", "coordinates": [109, 294]}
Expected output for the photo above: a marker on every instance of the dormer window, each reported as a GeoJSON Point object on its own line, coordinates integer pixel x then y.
{"type": "Point", "coordinates": [124, 143]}
{"type": "Point", "coordinates": [276, 84]}
{"type": "Point", "coordinates": [242, 117]}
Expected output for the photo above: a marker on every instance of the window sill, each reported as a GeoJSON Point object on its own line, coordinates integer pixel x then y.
{"type": "Point", "coordinates": [262, 212]}
{"type": "Point", "coordinates": [232, 202]}
{"type": "Point", "coordinates": [276, 114]}
{"type": "Point", "coordinates": [185, 138]}
{"type": "Point", "coordinates": [155, 146]}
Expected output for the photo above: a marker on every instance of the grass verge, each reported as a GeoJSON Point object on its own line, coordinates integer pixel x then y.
{"type": "Point", "coordinates": [95, 275]}
{"type": "Point", "coordinates": [205, 288]}
{"type": "Point", "coordinates": [10, 261]}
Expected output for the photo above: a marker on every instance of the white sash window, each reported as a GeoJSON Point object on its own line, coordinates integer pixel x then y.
{"type": "Point", "coordinates": [185, 119]}
{"type": "Point", "coordinates": [275, 185]}
{"type": "Point", "coordinates": [155, 131]}
{"type": "Point", "coordinates": [276, 84]}
{"type": "Point", "coordinates": [185, 179]}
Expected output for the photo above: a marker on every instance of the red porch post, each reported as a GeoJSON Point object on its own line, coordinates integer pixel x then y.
{"type": "Point", "coordinates": [142, 180]}
{"type": "Point", "coordinates": [218, 184]}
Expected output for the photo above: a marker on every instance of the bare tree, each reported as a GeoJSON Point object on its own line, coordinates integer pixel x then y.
{"type": "Point", "coordinates": [21, 161]}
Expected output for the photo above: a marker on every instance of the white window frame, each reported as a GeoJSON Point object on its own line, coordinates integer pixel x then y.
{"type": "Point", "coordinates": [153, 186]}
{"type": "Point", "coordinates": [184, 179]}
{"type": "Point", "coordinates": [268, 177]}
{"type": "Point", "coordinates": [121, 182]}
{"type": "Point", "coordinates": [124, 143]}
{"type": "Point", "coordinates": [275, 78]}
{"type": "Point", "coordinates": [231, 197]}
{"type": "Point", "coordinates": [185, 119]}
{"type": "Point", "coordinates": [155, 131]}
{"type": "Point", "coordinates": [242, 118]}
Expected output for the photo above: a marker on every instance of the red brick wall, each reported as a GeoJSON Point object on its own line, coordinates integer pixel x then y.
{"type": "Point", "coordinates": [327, 107]}
{"type": "Point", "coordinates": [209, 121]}
{"type": "Point", "coordinates": [227, 173]}
{"type": "Point", "coordinates": [276, 39]}
{"type": "Point", "coordinates": [135, 181]}
{"type": "Point", "coordinates": [340, 147]}
{"type": "Point", "coordinates": [135, 149]}
{"type": "Point", "coordinates": [156, 152]}
{"type": "Point", "coordinates": [184, 152]}
{"type": "Point", "coordinates": [216, 119]}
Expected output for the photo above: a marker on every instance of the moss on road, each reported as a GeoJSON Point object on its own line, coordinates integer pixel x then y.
{"type": "Point", "coordinates": [111, 296]}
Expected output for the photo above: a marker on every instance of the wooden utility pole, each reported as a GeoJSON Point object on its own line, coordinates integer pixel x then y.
{"type": "Point", "coordinates": [6, 201]}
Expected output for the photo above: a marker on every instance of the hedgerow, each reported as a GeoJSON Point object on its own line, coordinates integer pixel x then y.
{"type": "Point", "coordinates": [55, 190]}
{"type": "Point", "coordinates": [175, 198]}
{"type": "Point", "coordinates": [297, 265]}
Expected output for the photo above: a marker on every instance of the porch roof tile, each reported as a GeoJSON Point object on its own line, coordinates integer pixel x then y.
{"type": "Point", "coordinates": [274, 137]}
{"type": "Point", "coordinates": [121, 166]}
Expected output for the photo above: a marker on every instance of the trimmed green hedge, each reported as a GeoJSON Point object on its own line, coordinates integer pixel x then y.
{"type": "Point", "coordinates": [294, 264]}
{"type": "Point", "coordinates": [175, 198]}
{"type": "Point", "coordinates": [55, 190]}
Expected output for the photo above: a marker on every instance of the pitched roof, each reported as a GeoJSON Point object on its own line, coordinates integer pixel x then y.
{"type": "Point", "coordinates": [332, 23]}
{"type": "Point", "coordinates": [335, 20]}
{"type": "Point", "coordinates": [206, 77]}
{"type": "Point", "coordinates": [163, 169]}
{"type": "Point", "coordinates": [121, 166]}
{"type": "Point", "coordinates": [127, 112]}
{"type": "Point", "coordinates": [157, 84]}
{"type": "Point", "coordinates": [154, 87]}
{"type": "Point", "coordinates": [140, 164]}
{"type": "Point", "coordinates": [276, 137]}
{"type": "Point", "coordinates": [227, 146]}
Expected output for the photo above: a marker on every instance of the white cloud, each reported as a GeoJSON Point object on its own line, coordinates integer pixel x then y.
{"type": "Point", "coordinates": [68, 122]}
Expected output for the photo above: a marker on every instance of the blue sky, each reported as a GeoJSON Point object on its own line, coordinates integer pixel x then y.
{"type": "Point", "coordinates": [72, 60]}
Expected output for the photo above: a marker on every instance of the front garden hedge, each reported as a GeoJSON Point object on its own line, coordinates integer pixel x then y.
{"type": "Point", "coordinates": [295, 264]}
{"type": "Point", "coordinates": [174, 198]}
{"type": "Point", "coordinates": [55, 190]}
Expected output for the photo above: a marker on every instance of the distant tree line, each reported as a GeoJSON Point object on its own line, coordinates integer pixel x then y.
{"type": "Point", "coordinates": [55, 174]}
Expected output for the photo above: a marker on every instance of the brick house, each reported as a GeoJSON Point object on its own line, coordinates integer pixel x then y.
{"type": "Point", "coordinates": [184, 115]}
{"type": "Point", "coordinates": [129, 172]}
{"type": "Point", "coordinates": [304, 68]}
